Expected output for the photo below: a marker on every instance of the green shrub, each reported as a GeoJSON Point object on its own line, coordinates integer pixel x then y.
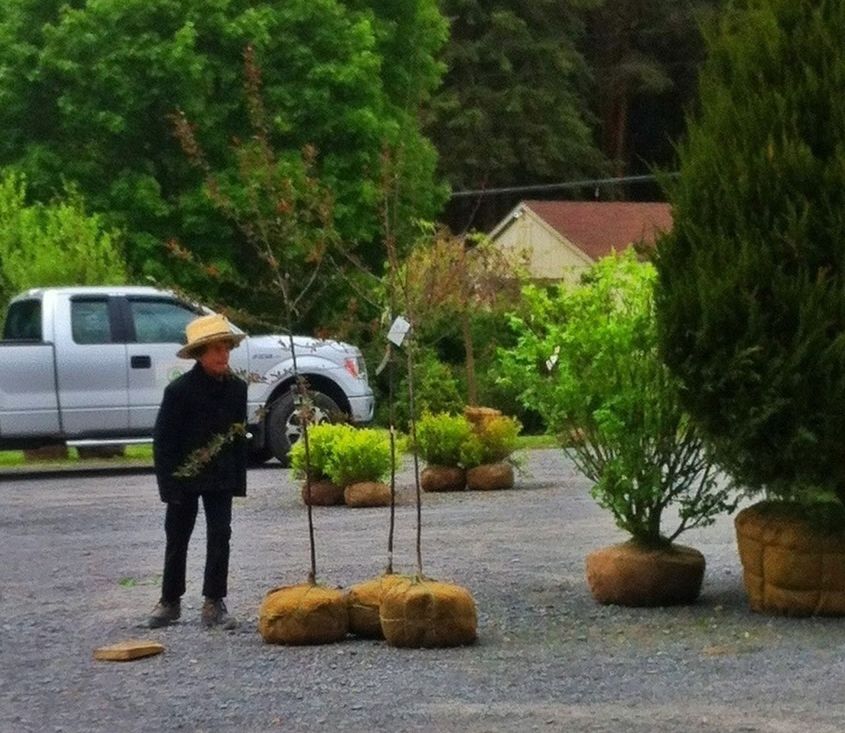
{"type": "Point", "coordinates": [435, 389]}
{"type": "Point", "coordinates": [587, 360]}
{"type": "Point", "coordinates": [359, 455]}
{"type": "Point", "coordinates": [492, 441]}
{"type": "Point", "coordinates": [441, 438]}
{"type": "Point", "coordinates": [751, 294]}
{"type": "Point", "coordinates": [58, 243]}
{"type": "Point", "coordinates": [322, 440]}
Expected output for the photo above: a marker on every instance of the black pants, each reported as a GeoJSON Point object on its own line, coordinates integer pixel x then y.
{"type": "Point", "coordinates": [179, 523]}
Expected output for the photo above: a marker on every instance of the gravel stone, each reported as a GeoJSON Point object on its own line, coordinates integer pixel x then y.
{"type": "Point", "coordinates": [81, 561]}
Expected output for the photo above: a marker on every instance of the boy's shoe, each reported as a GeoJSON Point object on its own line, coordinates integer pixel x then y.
{"type": "Point", "coordinates": [214, 613]}
{"type": "Point", "coordinates": [164, 614]}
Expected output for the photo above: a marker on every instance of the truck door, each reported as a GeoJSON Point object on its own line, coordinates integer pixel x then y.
{"type": "Point", "coordinates": [91, 368]}
{"type": "Point", "coordinates": [156, 333]}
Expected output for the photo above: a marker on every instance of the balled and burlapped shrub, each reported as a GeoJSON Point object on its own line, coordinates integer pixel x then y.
{"type": "Point", "coordinates": [440, 439]}
{"type": "Point", "coordinates": [751, 291]}
{"type": "Point", "coordinates": [586, 359]}
{"type": "Point", "coordinates": [359, 461]}
{"type": "Point", "coordinates": [487, 451]}
{"type": "Point", "coordinates": [322, 439]}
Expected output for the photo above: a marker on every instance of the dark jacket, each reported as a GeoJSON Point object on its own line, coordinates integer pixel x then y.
{"type": "Point", "coordinates": [195, 409]}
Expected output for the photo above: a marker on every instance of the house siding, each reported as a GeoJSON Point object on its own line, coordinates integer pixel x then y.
{"type": "Point", "coordinates": [540, 250]}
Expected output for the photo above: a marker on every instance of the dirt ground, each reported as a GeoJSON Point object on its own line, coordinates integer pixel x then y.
{"type": "Point", "coordinates": [81, 561]}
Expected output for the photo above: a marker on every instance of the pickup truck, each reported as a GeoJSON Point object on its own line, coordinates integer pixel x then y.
{"type": "Point", "coordinates": [87, 366]}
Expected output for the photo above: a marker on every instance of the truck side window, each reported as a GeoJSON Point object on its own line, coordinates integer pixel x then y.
{"type": "Point", "coordinates": [89, 321]}
{"type": "Point", "coordinates": [160, 321]}
{"type": "Point", "coordinates": [23, 321]}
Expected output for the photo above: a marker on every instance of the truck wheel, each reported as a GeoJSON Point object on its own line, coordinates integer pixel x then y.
{"type": "Point", "coordinates": [282, 424]}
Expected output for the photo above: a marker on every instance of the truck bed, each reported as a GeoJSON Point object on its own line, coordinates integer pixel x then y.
{"type": "Point", "coordinates": [27, 378]}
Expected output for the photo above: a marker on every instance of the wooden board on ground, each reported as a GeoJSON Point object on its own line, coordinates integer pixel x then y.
{"type": "Point", "coordinates": [125, 651]}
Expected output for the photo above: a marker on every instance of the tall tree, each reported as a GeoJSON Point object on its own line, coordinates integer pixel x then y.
{"type": "Point", "coordinates": [513, 105]}
{"type": "Point", "coordinates": [101, 80]}
{"type": "Point", "coordinates": [644, 56]}
{"type": "Point", "coordinates": [751, 296]}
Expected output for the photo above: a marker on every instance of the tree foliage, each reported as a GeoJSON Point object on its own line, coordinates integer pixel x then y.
{"type": "Point", "coordinates": [448, 279]}
{"type": "Point", "coordinates": [87, 90]}
{"type": "Point", "coordinates": [53, 244]}
{"type": "Point", "coordinates": [644, 56]}
{"type": "Point", "coordinates": [752, 278]}
{"type": "Point", "coordinates": [283, 210]}
{"type": "Point", "coordinates": [512, 107]}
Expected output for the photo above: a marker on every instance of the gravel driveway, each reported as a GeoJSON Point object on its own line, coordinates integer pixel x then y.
{"type": "Point", "coordinates": [80, 558]}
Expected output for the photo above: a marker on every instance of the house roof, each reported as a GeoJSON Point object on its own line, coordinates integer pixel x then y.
{"type": "Point", "coordinates": [597, 227]}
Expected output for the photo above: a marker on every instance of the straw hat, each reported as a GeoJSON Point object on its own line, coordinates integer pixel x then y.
{"type": "Point", "coordinates": [204, 330]}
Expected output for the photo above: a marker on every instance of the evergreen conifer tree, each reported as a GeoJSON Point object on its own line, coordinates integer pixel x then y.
{"type": "Point", "coordinates": [751, 290]}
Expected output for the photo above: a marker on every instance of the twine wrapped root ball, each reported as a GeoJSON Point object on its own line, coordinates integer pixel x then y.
{"type": "Point", "coordinates": [629, 574]}
{"type": "Point", "coordinates": [322, 493]}
{"type": "Point", "coordinates": [303, 614]}
{"type": "Point", "coordinates": [426, 613]}
{"type": "Point", "coordinates": [490, 477]}
{"type": "Point", "coordinates": [790, 567]}
{"type": "Point", "coordinates": [363, 602]}
{"type": "Point", "coordinates": [367, 493]}
{"type": "Point", "coordinates": [443, 478]}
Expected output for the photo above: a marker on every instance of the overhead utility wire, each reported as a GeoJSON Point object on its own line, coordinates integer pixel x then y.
{"type": "Point", "coordinates": [587, 182]}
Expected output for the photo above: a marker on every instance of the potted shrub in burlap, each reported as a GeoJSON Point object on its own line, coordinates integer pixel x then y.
{"type": "Point", "coordinates": [440, 440]}
{"type": "Point", "coordinates": [487, 450]}
{"type": "Point", "coordinates": [751, 293]}
{"type": "Point", "coordinates": [359, 461]}
{"type": "Point", "coordinates": [320, 490]}
{"type": "Point", "coordinates": [587, 360]}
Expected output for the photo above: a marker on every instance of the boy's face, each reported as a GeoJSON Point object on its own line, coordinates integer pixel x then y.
{"type": "Point", "coordinates": [215, 358]}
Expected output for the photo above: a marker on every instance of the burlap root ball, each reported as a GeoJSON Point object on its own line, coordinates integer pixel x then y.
{"type": "Point", "coordinates": [426, 613]}
{"type": "Point", "coordinates": [322, 493]}
{"type": "Point", "coordinates": [443, 478]}
{"type": "Point", "coordinates": [303, 614]}
{"type": "Point", "coordinates": [629, 574]}
{"type": "Point", "coordinates": [367, 493]}
{"type": "Point", "coordinates": [790, 567]}
{"type": "Point", "coordinates": [363, 602]}
{"type": "Point", "coordinates": [490, 477]}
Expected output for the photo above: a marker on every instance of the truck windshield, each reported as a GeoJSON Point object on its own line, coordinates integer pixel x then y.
{"type": "Point", "coordinates": [23, 321]}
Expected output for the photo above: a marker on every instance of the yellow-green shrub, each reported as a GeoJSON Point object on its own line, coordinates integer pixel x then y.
{"type": "Point", "coordinates": [491, 441]}
{"type": "Point", "coordinates": [322, 439]}
{"type": "Point", "coordinates": [441, 438]}
{"type": "Point", "coordinates": [359, 455]}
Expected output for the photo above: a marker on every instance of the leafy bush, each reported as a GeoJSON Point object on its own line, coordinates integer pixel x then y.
{"type": "Point", "coordinates": [359, 455]}
{"type": "Point", "coordinates": [491, 441]}
{"type": "Point", "coordinates": [322, 440]}
{"type": "Point", "coordinates": [751, 293]}
{"type": "Point", "coordinates": [54, 244]}
{"type": "Point", "coordinates": [441, 438]}
{"type": "Point", "coordinates": [587, 360]}
{"type": "Point", "coordinates": [435, 389]}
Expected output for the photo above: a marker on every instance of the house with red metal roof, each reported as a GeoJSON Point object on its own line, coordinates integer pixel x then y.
{"type": "Point", "coordinates": [557, 240]}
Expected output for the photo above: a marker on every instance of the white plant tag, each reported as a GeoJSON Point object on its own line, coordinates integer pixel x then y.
{"type": "Point", "coordinates": [398, 331]}
{"type": "Point", "coordinates": [552, 360]}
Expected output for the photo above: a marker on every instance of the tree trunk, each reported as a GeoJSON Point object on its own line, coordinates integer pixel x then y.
{"type": "Point", "coordinates": [469, 351]}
